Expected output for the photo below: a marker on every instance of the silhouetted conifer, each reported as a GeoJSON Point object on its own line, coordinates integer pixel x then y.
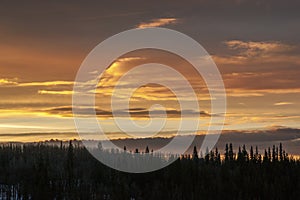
{"type": "Point", "coordinates": [195, 153]}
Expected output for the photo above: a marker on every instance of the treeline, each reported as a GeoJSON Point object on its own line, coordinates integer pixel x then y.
{"type": "Point", "coordinates": [41, 171]}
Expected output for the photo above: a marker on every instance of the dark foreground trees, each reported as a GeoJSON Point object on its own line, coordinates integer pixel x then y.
{"type": "Point", "coordinates": [69, 172]}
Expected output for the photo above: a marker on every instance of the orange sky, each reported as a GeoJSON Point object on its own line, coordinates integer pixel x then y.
{"type": "Point", "coordinates": [42, 48]}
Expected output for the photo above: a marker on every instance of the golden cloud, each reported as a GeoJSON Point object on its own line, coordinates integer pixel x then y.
{"type": "Point", "coordinates": [5, 82]}
{"type": "Point", "coordinates": [259, 92]}
{"type": "Point", "coordinates": [14, 82]}
{"type": "Point", "coordinates": [47, 83]}
{"type": "Point", "coordinates": [57, 92]}
{"type": "Point", "coordinates": [283, 103]}
{"type": "Point", "coordinates": [158, 22]}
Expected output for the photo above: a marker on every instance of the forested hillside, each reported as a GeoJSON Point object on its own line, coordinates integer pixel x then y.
{"type": "Point", "coordinates": [41, 171]}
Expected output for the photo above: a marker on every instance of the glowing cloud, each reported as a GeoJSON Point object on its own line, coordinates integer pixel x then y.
{"type": "Point", "coordinates": [158, 22]}
{"type": "Point", "coordinates": [14, 82]}
{"type": "Point", "coordinates": [63, 92]}
{"type": "Point", "coordinates": [47, 83]}
{"type": "Point", "coordinates": [282, 103]}
{"type": "Point", "coordinates": [7, 82]}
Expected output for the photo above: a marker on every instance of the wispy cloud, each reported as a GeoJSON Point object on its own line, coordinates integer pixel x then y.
{"type": "Point", "coordinates": [262, 48]}
{"type": "Point", "coordinates": [21, 126]}
{"type": "Point", "coordinates": [128, 59]}
{"type": "Point", "coordinates": [14, 82]}
{"type": "Point", "coordinates": [158, 22]}
{"type": "Point", "coordinates": [47, 83]}
{"type": "Point", "coordinates": [6, 82]}
{"type": "Point", "coordinates": [283, 103]}
{"type": "Point", "coordinates": [240, 92]}
{"type": "Point", "coordinates": [66, 111]}
{"type": "Point", "coordinates": [57, 92]}
{"type": "Point", "coordinates": [248, 52]}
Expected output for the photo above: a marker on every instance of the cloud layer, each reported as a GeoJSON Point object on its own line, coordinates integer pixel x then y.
{"type": "Point", "coordinates": [254, 43]}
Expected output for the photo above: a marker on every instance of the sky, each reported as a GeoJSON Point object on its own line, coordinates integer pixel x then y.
{"type": "Point", "coordinates": [255, 45]}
